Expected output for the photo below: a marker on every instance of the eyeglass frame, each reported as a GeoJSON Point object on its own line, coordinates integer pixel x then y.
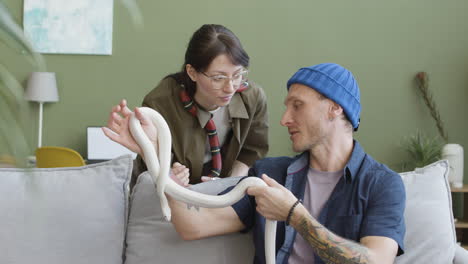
{"type": "Point", "coordinates": [225, 78]}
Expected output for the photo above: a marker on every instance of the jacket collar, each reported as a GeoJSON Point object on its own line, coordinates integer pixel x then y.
{"type": "Point", "coordinates": [236, 109]}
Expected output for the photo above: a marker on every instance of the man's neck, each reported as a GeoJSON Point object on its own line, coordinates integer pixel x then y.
{"type": "Point", "coordinates": [333, 155]}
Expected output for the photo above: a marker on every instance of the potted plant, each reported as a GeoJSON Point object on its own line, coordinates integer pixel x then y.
{"type": "Point", "coordinates": [422, 150]}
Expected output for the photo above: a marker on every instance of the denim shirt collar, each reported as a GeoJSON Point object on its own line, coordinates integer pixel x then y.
{"type": "Point", "coordinates": [302, 161]}
{"type": "Point", "coordinates": [354, 163]}
{"type": "Point", "coordinates": [349, 171]}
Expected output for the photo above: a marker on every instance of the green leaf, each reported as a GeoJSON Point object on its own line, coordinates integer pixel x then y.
{"type": "Point", "coordinates": [12, 130]}
{"type": "Point", "coordinates": [12, 35]}
{"type": "Point", "coordinates": [135, 12]}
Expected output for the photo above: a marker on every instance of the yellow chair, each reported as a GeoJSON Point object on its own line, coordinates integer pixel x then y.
{"type": "Point", "coordinates": [52, 157]}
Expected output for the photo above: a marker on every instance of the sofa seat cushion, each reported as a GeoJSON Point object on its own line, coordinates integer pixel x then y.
{"type": "Point", "coordinates": [430, 230]}
{"type": "Point", "coordinates": [65, 215]}
{"type": "Point", "coordinates": [150, 239]}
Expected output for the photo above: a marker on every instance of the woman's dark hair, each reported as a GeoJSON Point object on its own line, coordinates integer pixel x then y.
{"type": "Point", "coordinates": [206, 44]}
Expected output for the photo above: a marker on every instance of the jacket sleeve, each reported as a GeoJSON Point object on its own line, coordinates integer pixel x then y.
{"type": "Point", "coordinates": [256, 146]}
{"type": "Point", "coordinates": [139, 167]}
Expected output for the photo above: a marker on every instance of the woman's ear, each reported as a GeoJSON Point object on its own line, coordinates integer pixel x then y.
{"type": "Point", "coordinates": [191, 72]}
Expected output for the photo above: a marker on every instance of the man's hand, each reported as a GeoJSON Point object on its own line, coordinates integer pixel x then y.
{"type": "Point", "coordinates": [273, 201]}
{"type": "Point", "coordinates": [118, 128]}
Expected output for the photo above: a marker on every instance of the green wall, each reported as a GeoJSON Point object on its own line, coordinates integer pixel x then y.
{"type": "Point", "coordinates": [384, 43]}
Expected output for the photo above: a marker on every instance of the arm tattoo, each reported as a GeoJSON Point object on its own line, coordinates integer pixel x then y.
{"type": "Point", "coordinates": [330, 247]}
{"type": "Point", "coordinates": [196, 207]}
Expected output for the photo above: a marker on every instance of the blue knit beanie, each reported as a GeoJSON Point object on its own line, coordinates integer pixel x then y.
{"type": "Point", "coordinates": [334, 82]}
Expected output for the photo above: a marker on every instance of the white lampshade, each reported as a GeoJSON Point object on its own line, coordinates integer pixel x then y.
{"type": "Point", "coordinates": [42, 87]}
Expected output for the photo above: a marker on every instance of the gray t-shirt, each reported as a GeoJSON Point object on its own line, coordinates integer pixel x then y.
{"type": "Point", "coordinates": [319, 186]}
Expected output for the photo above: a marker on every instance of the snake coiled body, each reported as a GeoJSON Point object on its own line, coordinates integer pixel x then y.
{"type": "Point", "coordinates": [158, 160]}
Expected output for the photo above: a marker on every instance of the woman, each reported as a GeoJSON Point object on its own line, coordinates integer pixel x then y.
{"type": "Point", "coordinates": [210, 96]}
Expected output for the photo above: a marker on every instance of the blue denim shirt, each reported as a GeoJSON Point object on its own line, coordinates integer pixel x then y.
{"type": "Point", "coordinates": [368, 201]}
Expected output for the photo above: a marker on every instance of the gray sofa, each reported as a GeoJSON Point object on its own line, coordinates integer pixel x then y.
{"type": "Point", "coordinates": [87, 215]}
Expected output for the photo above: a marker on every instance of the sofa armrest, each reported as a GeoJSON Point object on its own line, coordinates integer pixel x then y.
{"type": "Point", "coordinates": [461, 255]}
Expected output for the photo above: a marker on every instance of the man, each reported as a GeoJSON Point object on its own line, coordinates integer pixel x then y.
{"type": "Point", "coordinates": [352, 206]}
{"type": "Point", "coordinates": [352, 209]}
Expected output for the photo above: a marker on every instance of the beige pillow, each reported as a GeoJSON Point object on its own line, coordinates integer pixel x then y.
{"type": "Point", "coordinates": [430, 230]}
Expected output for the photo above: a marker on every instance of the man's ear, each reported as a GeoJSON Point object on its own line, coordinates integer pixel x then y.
{"type": "Point", "coordinates": [335, 110]}
{"type": "Point", "coordinates": [191, 72]}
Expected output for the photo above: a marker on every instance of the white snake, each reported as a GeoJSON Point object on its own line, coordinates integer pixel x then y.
{"type": "Point", "coordinates": [159, 170]}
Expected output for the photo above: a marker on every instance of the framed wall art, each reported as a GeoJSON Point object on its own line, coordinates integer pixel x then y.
{"type": "Point", "coordinates": [69, 27]}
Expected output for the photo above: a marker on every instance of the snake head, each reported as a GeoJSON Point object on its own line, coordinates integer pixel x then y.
{"type": "Point", "coordinates": [166, 210]}
{"type": "Point", "coordinates": [166, 214]}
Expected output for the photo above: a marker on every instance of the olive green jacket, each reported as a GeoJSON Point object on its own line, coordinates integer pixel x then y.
{"type": "Point", "coordinates": [248, 116]}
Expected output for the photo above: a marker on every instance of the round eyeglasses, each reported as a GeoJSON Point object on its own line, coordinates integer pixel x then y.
{"type": "Point", "coordinates": [220, 81]}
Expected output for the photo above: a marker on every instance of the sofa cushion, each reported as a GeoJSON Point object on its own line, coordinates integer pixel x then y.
{"type": "Point", "coordinates": [65, 215]}
{"type": "Point", "coordinates": [430, 230]}
{"type": "Point", "coordinates": [150, 239]}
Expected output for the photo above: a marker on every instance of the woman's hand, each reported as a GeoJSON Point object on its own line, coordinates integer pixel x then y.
{"type": "Point", "coordinates": [180, 174]}
{"type": "Point", "coordinates": [118, 128]}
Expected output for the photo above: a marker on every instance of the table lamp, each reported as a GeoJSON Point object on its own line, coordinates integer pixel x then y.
{"type": "Point", "coordinates": [41, 88]}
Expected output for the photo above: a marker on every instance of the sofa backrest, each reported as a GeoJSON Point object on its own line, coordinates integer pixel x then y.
{"type": "Point", "coordinates": [79, 215]}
